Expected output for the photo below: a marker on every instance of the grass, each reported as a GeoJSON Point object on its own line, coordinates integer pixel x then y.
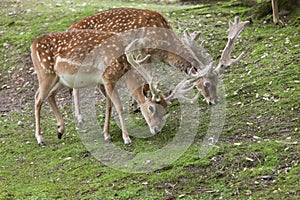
{"type": "Point", "coordinates": [256, 157]}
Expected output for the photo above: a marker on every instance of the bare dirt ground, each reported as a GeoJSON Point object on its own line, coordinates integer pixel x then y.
{"type": "Point", "coordinates": [18, 88]}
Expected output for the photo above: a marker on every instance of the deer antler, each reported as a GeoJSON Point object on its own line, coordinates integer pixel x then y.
{"type": "Point", "coordinates": [199, 74]}
{"type": "Point", "coordinates": [136, 63]}
{"type": "Point", "coordinates": [186, 85]}
{"type": "Point", "coordinates": [189, 39]}
{"type": "Point", "coordinates": [235, 29]}
{"type": "Point", "coordinates": [180, 90]}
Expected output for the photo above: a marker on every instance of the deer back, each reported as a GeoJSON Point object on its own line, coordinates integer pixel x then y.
{"type": "Point", "coordinates": [121, 19]}
{"type": "Point", "coordinates": [80, 52]}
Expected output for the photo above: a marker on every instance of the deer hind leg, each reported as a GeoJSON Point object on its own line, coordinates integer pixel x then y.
{"type": "Point", "coordinates": [113, 94]}
{"type": "Point", "coordinates": [58, 115]}
{"type": "Point", "coordinates": [45, 87]}
{"type": "Point", "coordinates": [107, 136]}
{"type": "Point", "coordinates": [77, 106]}
{"type": "Point", "coordinates": [78, 114]}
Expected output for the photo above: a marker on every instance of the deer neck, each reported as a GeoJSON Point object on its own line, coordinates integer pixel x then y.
{"type": "Point", "coordinates": [184, 61]}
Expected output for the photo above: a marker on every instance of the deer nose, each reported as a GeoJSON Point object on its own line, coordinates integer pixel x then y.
{"type": "Point", "coordinates": [156, 130]}
{"type": "Point", "coordinates": [214, 101]}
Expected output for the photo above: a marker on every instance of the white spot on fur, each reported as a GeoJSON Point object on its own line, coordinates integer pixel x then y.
{"type": "Point", "coordinates": [38, 56]}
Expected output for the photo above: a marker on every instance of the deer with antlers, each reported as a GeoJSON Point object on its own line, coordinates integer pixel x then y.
{"type": "Point", "coordinates": [60, 57]}
{"type": "Point", "coordinates": [125, 19]}
{"type": "Point", "coordinates": [86, 58]}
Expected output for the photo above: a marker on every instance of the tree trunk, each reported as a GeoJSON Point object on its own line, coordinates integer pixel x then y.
{"type": "Point", "coordinates": [275, 11]}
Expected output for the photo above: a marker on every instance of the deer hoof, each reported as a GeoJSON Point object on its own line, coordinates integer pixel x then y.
{"type": "Point", "coordinates": [59, 135]}
{"type": "Point", "coordinates": [42, 144]}
{"type": "Point", "coordinates": [108, 140]}
{"type": "Point", "coordinates": [80, 119]}
{"type": "Point", "coordinates": [127, 142]}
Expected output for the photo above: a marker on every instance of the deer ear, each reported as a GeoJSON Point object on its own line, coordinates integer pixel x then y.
{"type": "Point", "coordinates": [146, 91]}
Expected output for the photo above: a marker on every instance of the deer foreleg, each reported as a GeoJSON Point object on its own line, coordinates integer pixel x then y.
{"type": "Point", "coordinates": [110, 89]}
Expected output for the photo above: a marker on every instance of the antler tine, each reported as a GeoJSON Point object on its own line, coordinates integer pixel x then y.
{"type": "Point", "coordinates": [189, 39]}
{"type": "Point", "coordinates": [136, 61]}
{"type": "Point", "coordinates": [136, 64]}
{"type": "Point", "coordinates": [235, 29]}
{"type": "Point", "coordinates": [186, 33]}
{"type": "Point", "coordinates": [196, 76]}
{"type": "Point", "coordinates": [187, 84]}
{"type": "Point", "coordinates": [180, 90]}
{"type": "Point", "coordinates": [195, 35]}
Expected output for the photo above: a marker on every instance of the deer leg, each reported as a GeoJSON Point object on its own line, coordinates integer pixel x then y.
{"type": "Point", "coordinates": [58, 115]}
{"type": "Point", "coordinates": [107, 136]}
{"type": "Point", "coordinates": [77, 105]}
{"type": "Point", "coordinates": [101, 88]}
{"type": "Point", "coordinates": [113, 94]}
{"type": "Point", "coordinates": [40, 96]}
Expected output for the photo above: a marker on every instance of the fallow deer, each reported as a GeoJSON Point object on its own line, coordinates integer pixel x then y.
{"type": "Point", "coordinates": [85, 58]}
{"type": "Point", "coordinates": [125, 19]}
{"type": "Point", "coordinates": [117, 20]}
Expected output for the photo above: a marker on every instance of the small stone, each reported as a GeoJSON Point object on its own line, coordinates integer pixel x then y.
{"type": "Point", "coordinates": [208, 16]}
{"type": "Point", "coordinates": [218, 24]}
{"type": "Point", "coordinates": [147, 162]}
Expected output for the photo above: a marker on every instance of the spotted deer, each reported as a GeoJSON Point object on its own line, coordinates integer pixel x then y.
{"type": "Point", "coordinates": [117, 20]}
{"type": "Point", "coordinates": [122, 20]}
{"type": "Point", "coordinates": [86, 58]}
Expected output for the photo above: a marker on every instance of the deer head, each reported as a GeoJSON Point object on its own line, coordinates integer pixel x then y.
{"type": "Point", "coordinates": [153, 107]}
{"type": "Point", "coordinates": [208, 84]}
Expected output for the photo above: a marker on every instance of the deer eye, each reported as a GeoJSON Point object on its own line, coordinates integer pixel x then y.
{"type": "Point", "coordinates": [206, 84]}
{"type": "Point", "coordinates": [151, 109]}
